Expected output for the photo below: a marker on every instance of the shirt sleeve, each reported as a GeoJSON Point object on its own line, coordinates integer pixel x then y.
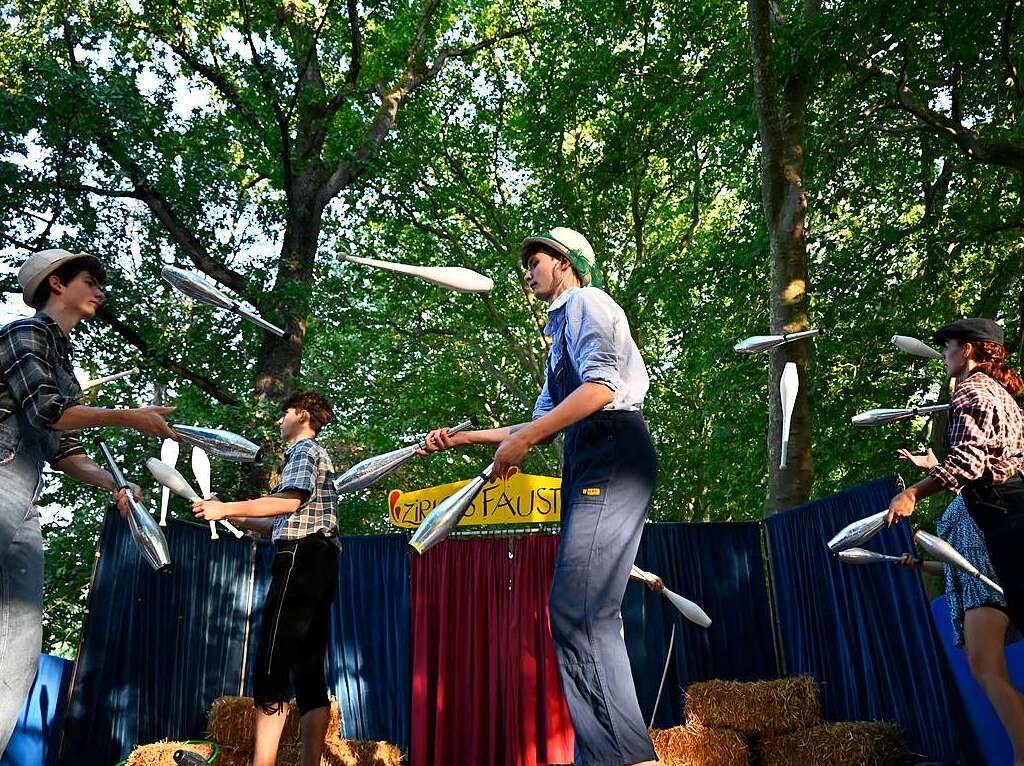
{"type": "Point", "coordinates": [70, 444]}
{"type": "Point", "coordinates": [544, 404]}
{"type": "Point", "coordinates": [970, 421]}
{"type": "Point", "coordinates": [30, 375]}
{"type": "Point", "coordinates": [299, 471]}
{"type": "Point", "coordinates": [592, 324]}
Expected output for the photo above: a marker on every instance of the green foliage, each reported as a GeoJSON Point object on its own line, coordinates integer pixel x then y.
{"type": "Point", "coordinates": [629, 120]}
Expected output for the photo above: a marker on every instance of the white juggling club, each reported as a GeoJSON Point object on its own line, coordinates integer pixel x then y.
{"type": "Point", "coordinates": [915, 347]}
{"type": "Point", "coordinates": [452, 277]}
{"type": "Point", "coordinates": [169, 455]}
{"type": "Point", "coordinates": [789, 386]}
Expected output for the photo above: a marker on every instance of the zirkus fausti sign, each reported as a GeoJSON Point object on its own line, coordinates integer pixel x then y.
{"type": "Point", "coordinates": [520, 499]}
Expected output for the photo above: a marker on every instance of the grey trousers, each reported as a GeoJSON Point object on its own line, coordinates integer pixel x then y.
{"type": "Point", "coordinates": [610, 470]}
{"type": "Point", "coordinates": [21, 586]}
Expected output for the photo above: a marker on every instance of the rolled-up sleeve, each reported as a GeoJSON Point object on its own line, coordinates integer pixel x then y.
{"type": "Point", "coordinates": [70, 444]}
{"type": "Point", "coordinates": [544, 404]}
{"type": "Point", "coordinates": [30, 375]}
{"type": "Point", "coordinates": [299, 471]}
{"type": "Point", "coordinates": [593, 324]}
{"type": "Point", "coordinates": [966, 459]}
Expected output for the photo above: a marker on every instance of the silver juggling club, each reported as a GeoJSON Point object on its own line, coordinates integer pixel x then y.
{"type": "Point", "coordinates": [368, 472]}
{"type": "Point", "coordinates": [144, 530]}
{"type": "Point", "coordinates": [440, 522]}
{"type": "Point", "coordinates": [199, 288]}
{"type": "Point", "coordinates": [861, 556]}
{"type": "Point", "coordinates": [219, 443]}
{"type": "Point", "coordinates": [858, 532]}
{"type": "Point", "coordinates": [885, 416]}
{"type": "Point", "coordinates": [939, 549]}
{"type": "Point", "coordinates": [758, 343]}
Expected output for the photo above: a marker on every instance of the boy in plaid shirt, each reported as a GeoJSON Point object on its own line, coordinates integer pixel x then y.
{"type": "Point", "coordinates": [300, 516]}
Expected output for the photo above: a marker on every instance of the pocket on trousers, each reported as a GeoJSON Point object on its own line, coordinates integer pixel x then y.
{"type": "Point", "coordinates": [10, 439]}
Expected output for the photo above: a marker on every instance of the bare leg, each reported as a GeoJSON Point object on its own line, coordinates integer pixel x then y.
{"type": "Point", "coordinates": [268, 735]}
{"type": "Point", "coordinates": [985, 643]}
{"type": "Point", "coordinates": [314, 730]}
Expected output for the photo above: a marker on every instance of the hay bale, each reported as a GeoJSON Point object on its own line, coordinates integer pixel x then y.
{"type": "Point", "coordinates": [693, 745]}
{"type": "Point", "coordinates": [162, 753]}
{"type": "Point", "coordinates": [232, 720]}
{"type": "Point", "coordinates": [759, 709]}
{"type": "Point", "coordinates": [352, 752]}
{"type": "Point", "coordinates": [838, 744]}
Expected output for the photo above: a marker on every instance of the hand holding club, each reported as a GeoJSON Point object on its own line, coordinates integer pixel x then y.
{"type": "Point", "coordinates": [441, 439]}
{"type": "Point", "coordinates": [901, 505]}
{"type": "Point", "coordinates": [150, 421]}
{"type": "Point", "coordinates": [121, 498]}
{"type": "Point", "coordinates": [511, 453]}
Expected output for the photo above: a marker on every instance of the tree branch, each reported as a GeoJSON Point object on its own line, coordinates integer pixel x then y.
{"type": "Point", "coordinates": [357, 45]}
{"type": "Point", "coordinates": [1005, 42]}
{"type": "Point", "coordinates": [267, 84]}
{"type": "Point", "coordinates": [158, 205]}
{"type": "Point", "coordinates": [460, 53]}
{"type": "Point", "coordinates": [986, 151]}
{"type": "Point", "coordinates": [132, 336]}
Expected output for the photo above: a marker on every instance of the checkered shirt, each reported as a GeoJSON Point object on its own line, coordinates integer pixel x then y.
{"type": "Point", "coordinates": [307, 469]}
{"type": "Point", "coordinates": [985, 437]}
{"type": "Point", "coordinates": [38, 380]}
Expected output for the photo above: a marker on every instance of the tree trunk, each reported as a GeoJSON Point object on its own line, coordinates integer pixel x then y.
{"type": "Point", "coordinates": [784, 201]}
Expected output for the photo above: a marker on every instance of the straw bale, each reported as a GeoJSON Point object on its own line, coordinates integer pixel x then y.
{"type": "Point", "coordinates": [232, 720]}
{"type": "Point", "coordinates": [162, 753]}
{"type": "Point", "coordinates": [837, 744]}
{"type": "Point", "coordinates": [337, 752]}
{"type": "Point", "coordinates": [351, 752]}
{"type": "Point", "coordinates": [759, 709]}
{"type": "Point", "coordinates": [694, 745]}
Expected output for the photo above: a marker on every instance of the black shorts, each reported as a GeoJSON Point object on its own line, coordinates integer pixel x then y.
{"type": "Point", "coordinates": [294, 628]}
{"type": "Point", "coordinates": [998, 510]}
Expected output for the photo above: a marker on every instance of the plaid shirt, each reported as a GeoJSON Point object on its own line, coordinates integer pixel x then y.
{"type": "Point", "coordinates": [38, 380]}
{"type": "Point", "coordinates": [307, 469]}
{"type": "Point", "coordinates": [985, 438]}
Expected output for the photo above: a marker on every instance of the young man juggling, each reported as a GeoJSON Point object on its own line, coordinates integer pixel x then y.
{"type": "Point", "coordinates": [300, 515]}
{"type": "Point", "coordinates": [594, 388]}
{"type": "Point", "coordinates": [40, 422]}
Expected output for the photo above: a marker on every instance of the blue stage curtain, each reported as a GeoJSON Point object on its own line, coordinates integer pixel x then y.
{"type": "Point", "coordinates": [719, 566]}
{"type": "Point", "coordinates": [157, 649]}
{"type": "Point", "coordinates": [368, 653]}
{"type": "Point", "coordinates": [37, 734]}
{"type": "Point", "coordinates": [864, 632]}
{"type": "Point", "coordinates": [368, 661]}
{"type": "Point", "coordinates": [986, 733]}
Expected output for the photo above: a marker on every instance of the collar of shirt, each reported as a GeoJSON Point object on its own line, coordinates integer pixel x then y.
{"type": "Point", "coordinates": [59, 338]}
{"type": "Point", "coordinates": [291, 449]}
{"type": "Point", "coordinates": [556, 311]}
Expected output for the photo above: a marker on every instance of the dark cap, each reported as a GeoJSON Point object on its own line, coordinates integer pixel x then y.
{"type": "Point", "coordinates": [973, 330]}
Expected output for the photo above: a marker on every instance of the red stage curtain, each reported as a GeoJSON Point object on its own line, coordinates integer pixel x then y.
{"type": "Point", "coordinates": [485, 688]}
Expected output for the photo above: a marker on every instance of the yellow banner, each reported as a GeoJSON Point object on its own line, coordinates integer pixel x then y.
{"type": "Point", "coordinates": [519, 499]}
